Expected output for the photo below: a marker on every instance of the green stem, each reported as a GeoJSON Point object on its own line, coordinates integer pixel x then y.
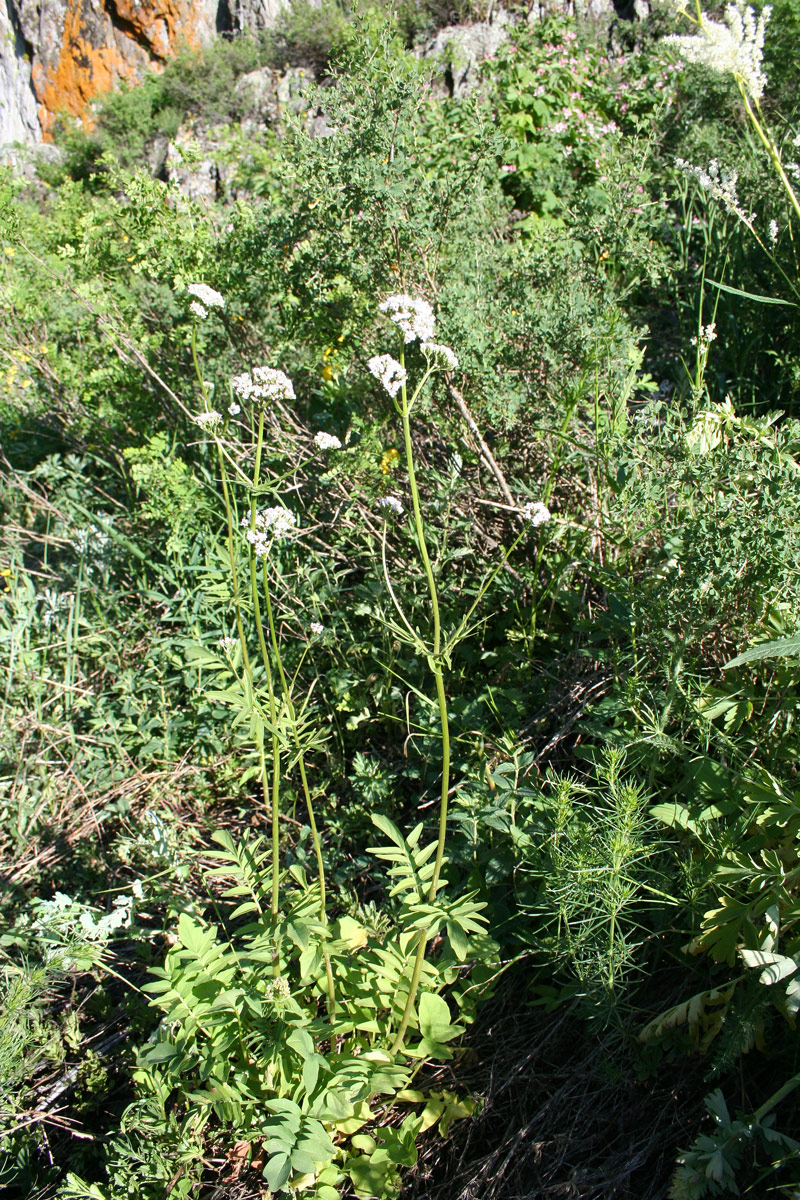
{"type": "Point", "coordinates": [273, 711]}
{"type": "Point", "coordinates": [771, 148]}
{"type": "Point", "coordinates": [290, 709]}
{"type": "Point", "coordinates": [441, 696]}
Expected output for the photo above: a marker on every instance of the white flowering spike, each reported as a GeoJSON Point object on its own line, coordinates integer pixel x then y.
{"type": "Point", "coordinates": [718, 182]}
{"type": "Point", "coordinates": [198, 310]}
{"type": "Point", "coordinates": [206, 295]}
{"type": "Point", "coordinates": [391, 504]}
{"type": "Point", "coordinates": [271, 525]}
{"type": "Point", "coordinates": [536, 513]}
{"type": "Point", "coordinates": [413, 315]}
{"type": "Point", "coordinates": [737, 47]}
{"type": "Point", "coordinates": [317, 628]}
{"type": "Point", "coordinates": [326, 441]}
{"type": "Point", "coordinates": [208, 420]}
{"type": "Point", "coordinates": [443, 356]}
{"type": "Point", "coordinates": [389, 372]}
{"type": "Point", "coordinates": [774, 230]}
{"type": "Point", "coordinates": [263, 383]}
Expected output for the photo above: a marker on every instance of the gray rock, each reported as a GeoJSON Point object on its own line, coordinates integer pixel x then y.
{"type": "Point", "coordinates": [465, 48]}
{"type": "Point", "coordinates": [256, 96]}
{"type": "Point", "coordinates": [19, 118]}
{"type": "Point", "coordinates": [25, 160]}
{"type": "Point", "coordinates": [191, 168]}
{"type": "Point", "coordinates": [253, 15]}
{"type": "Point", "coordinates": [157, 152]}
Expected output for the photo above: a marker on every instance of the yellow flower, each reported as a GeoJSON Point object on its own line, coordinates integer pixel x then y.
{"type": "Point", "coordinates": [327, 373]}
{"type": "Point", "coordinates": [10, 251]}
{"type": "Point", "coordinates": [390, 457]}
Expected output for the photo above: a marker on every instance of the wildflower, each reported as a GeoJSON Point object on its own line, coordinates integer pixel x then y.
{"type": "Point", "coordinates": [391, 504]}
{"type": "Point", "coordinates": [414, 316]}
{"type": "Point", "coordinates": [708, 334]}
{"type": "Point", "coordinates": [198, 310]}
{"type": "Point", "coordinates": [206, 295]}
{"type": "Point", "coordinates": [271, 525]}
{"type": "Point", "coordinates": [263, 383]}
{"type": "Point", "coordinates": [208, 420]}
{"type": "Point", "coordinates": [773, 231]}
{"type": "Point", "coordinates": [234, 409]}
{"type": "Point", "coordinates": [443, 356]}
{"type": "Point", "coordinates": [327, 441]}
{"type": "Point", "coordinates": [389, 372]}
{"type": "Point", "coordinates": [736, 47]}
{"type": "Point", "coordinates": [317, 628]}
{"type": "Point", "coordinates": [388, 459]}
{"type": "Point", "coordinates": [228, 644]}
{"type": "Point", "coordinates": [720, 183]}
{"type": "Point", "coordinates": [536, 513]}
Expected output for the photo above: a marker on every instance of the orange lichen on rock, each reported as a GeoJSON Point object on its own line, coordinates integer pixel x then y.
{"type": "Point", "coordinates": [102, 45]}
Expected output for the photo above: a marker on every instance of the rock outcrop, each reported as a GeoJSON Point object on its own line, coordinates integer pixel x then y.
{"type": "Point", "coordinates": [19, 119]}
{"type": "Point", "coordinates": [58, 55]}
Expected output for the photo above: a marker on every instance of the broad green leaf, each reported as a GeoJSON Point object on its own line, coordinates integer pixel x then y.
{"type": "Point", "coordinates": [434, 1019]}
{"type": "Point", "coordinates": [277, 1171]}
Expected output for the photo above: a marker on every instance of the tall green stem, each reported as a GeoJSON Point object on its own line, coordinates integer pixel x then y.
{"type": "Point", "coordinates": [435, 659]}
{"type": "Point", "coordinates": [290, 709]}
{"type": "Point", "coordinates": [273, 708]}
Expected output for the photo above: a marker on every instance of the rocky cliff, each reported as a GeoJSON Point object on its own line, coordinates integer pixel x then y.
{"type": "Point", "coordinates": [57, 55]}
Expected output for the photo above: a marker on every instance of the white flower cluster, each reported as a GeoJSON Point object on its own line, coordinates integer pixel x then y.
{"type": "Point", "coordinates": [442, 355]}
{"type": "Point", "coordinates": [391, 504]}
{"type": "Point", "coordinates": [263, 383]}
{"type": "Point", "coordinates": [208, 420]}
{"type": "Point", "coordinates": [536, 513]}
{"type": "Point", "coordinates": [271, 525]}
{"type": "Point", "coordinates": [389, 372]}
{"type": "Point", "coordinates": [414, 316]}
{"type": "Point", "coordinates": [317, 628]}
{"type": "Point", "coordinates": [708, 334]}
{"type": "Point", "coordinates": [737, 47]}
{"type": "Point", "coordinates": [228, 644]}
{"type": "Point", "coordinates": [720, 183]}
{"type": "Point", "coordinates": [326, 441]}
{"type": "Point", "coordinates": [774, 230]}
{"type": "Point", "coordinates": [277, 990]}
{"type": "Point", "coordinates": [206, 298]}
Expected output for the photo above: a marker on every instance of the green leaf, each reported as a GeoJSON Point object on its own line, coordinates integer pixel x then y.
{"type": "Point", "coordinates": [788, 647]}
{"type": "Point", "coordinates": [434, 1019]}
{"type": "Point", "coordinates": [277, 1171]}
{"type": "Point", "coordinates": [734, 291]}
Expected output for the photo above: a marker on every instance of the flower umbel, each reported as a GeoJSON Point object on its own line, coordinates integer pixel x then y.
{"type": "Point", "coordinates": [443, 356]}
{"type": "Point", "coordinates": [326, 441]}
{"type": "Point", "coordinates": [390, 504]}
{"type": "Point", "coordinates": [206, 295]}
{"type": "Point", "coordinates": [413, 315]}
{"type": "Point", "coordinates": [263, 383]}
{"type": "Point", "coordinates": [389, 372]}
{"type": "Point", "coordinates": [536, 513]}
{"type": "Point", "coordinates": [208, 420]}
{"type": "Point", "coordinates": [271, 525]}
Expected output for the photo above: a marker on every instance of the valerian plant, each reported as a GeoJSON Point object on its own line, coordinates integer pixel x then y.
{"type": "Point", "coordinates": [296, 1026]}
